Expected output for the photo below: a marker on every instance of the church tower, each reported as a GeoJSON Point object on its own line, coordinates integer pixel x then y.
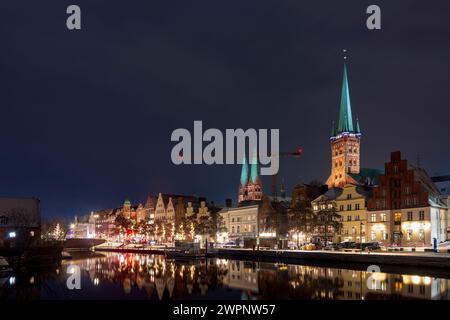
{"type": "Point", "coordinates": [345, 142]}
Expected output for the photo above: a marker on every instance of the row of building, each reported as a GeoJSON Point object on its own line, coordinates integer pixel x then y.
{"type": "Point", "coordinates": [395, 205]}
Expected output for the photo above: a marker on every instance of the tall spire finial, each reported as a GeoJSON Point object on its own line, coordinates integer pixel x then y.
{"type": "Point", "coordinates": [345, 110]}
{"type": "Point", "coordinates": [344, 51]}
{"type": "Point", "coordinates": [358, 129]}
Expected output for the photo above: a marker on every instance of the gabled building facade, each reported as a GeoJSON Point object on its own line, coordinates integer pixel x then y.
{"type": "Point", "coordinates": [406, 208]}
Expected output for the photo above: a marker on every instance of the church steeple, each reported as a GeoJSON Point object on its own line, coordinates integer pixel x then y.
{"type": "Point", "coordinates": [244, 172]}
{"type": "Point", "coordinates": [345, 110]}
{"type": "Point", "coordinates": [254, 173]}
{"type": "Point", "coordinates": [345, 143]}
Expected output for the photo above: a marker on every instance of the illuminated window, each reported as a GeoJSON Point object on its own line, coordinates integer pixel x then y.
{"type": "Point", "coordinates": [398, 217]}
{"type": "Point", "coordinates": [409, 234]}
{"type": "Point", "coordinates": [373, 217]}
{"type": "Point", "coordinates": [373, 235]}
{"type": "Point", "coordinates": [421, 234]}
{"type": "Point", "coordinates": [383, 217]}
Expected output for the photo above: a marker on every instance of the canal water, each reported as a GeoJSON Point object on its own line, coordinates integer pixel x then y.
{"type": "Point", "coordinates": [151, 277]}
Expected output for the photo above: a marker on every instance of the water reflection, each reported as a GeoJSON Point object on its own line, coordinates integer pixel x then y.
{"type": "Point", "coordinates": [133, 276]}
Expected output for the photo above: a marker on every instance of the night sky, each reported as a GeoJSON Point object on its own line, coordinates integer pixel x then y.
{"type": "Point", "coordinates": [86, 116]}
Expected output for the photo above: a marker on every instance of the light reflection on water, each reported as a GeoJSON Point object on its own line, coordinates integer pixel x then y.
{"type": "Point", "coordinates": [133, 276]}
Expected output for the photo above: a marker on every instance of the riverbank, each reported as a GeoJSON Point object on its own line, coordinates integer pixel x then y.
{"type": "Point", "coordinates": [404, 259]}
{"type": "Point", "coordinates": [407, 259]}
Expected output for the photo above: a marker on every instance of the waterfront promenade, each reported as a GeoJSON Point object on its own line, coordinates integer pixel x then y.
{"type": "Point", "coordinates": [396, 258]}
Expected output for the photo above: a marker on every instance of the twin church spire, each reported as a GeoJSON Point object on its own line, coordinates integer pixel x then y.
{"type": "Point", "coordinates": [250, 187]}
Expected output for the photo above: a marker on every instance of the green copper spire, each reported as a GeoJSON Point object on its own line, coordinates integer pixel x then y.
{"type": "Point", "coordinates": [255, 167]}
{"type": "Point", "coordinates": [345, 111]}
{"type": "Point", "coordinates": [358, 130]}
{"type": "Point", "coordinates": [244, 172]}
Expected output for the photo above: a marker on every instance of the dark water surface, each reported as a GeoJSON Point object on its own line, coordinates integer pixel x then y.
{"type": "Point", "coordinates": [151, 277]}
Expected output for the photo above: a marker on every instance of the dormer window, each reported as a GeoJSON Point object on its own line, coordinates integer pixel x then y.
{"type": "Point", "coordinates": [4, 220]}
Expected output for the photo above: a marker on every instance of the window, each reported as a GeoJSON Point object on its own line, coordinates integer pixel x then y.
{"type": "Point", "coordinates": [421, 235]}
{"type": "Point", "coordinates": [356, 218]}
{"type": "Point", "coordinates": [410, 216]}
{"type": "Point", "coordinates": [373, 217]}
{"type": "Point", "coordinates": [341, 207]}
{"type": "Point", "coordinates": [373, 235]}
{"type": "Point", "coordinates": [398, 218]}
{"type": "Point", "coordinates": [349, 196]}
{"type": "Point", "coordinates": [357, 206]}
{"type": "Point", "coordinates": [3, 220]}
{"type": "Point", "coordinates": [349, 207]}
{"type": "Point", "coordinates": [232, 229]}
{"type": "Point", "coordinates": [421, 215]}
{"type": "Point", "coordinates": [383, 217]}
{"type": "Point", "coordinates": [409, 234]}
{"type": "Point", "coordinates": [349, 218]}
{"type": "Point", "coordinates": [384, 235]}
{"type": "Point", "coordinates": [422, 289]}
{"type": "Point", "coordinates": [238, 229]}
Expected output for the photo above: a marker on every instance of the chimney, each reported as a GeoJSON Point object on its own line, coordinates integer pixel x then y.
{"type": "Point", "coordinates": [228, 203]}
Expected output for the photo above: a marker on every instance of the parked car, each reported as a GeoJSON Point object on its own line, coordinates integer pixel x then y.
{"type": "Point", "coordinates": [371, 246]}
{"type": "Point", "coordinates": [4, 267]}
{"type": "Point", "coordinates": [309, 246]}
{"type": "Point", "coordinates": [348, 245]}
{"type": "Point", "coordinates": [332, 246]}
